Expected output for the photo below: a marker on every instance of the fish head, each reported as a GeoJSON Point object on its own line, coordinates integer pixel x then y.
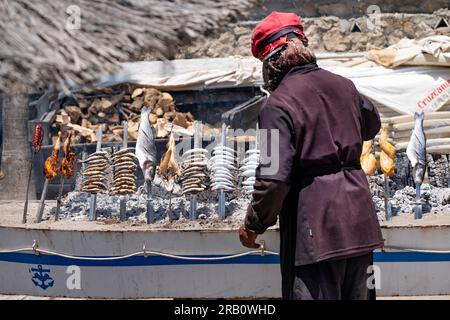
{"type": "Point", "coordinates": [419, 115]}
{"type": "Point", "coordinates": [148, 168]}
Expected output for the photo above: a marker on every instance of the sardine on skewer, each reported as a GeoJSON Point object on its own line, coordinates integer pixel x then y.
{"type": "Point", "coordinates": [248, 169]}
{"type": "Point", "coordinates": [146, 155]}
{"type": "Point", "coordinates": [124, 180]}
{"type": "Point", "coordinates": [417, 155]}
{"type": "Point", "coordinates": [94, 174]}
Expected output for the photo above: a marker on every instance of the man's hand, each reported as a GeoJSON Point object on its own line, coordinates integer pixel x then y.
{"type": "Point", "coordinates": [248, 238]}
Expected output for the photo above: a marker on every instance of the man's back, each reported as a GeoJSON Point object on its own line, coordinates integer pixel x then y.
{"type": "Point", "coordinates": [335, 214]}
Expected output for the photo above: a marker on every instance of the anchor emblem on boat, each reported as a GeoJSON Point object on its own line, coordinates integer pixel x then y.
{"type": "Point", "coordinates": [41, 277]}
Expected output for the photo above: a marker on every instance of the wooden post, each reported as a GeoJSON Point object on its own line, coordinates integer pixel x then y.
{"type": "Point", "coordinates": [16, 151]}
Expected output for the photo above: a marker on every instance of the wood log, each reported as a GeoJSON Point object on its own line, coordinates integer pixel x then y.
{"type": "Point", "coordinates": [152, 118]}
{"type": "Point", "coordinates": [165, 102]}
{"type": "Point", "coordinates": [133, 127]}
{"type": "Point", "coordinates": [169, 116]}
{"type": "Point", "coordinates": [181, 119]}
{"type": "Point", "coordinates": [160, 126]}
{"type": "Point", "coordinates": [137, 104]}
{"type": "Point", "coordinates": [159, 112]}
{"type": "Point", "coordinates": [190, 117]}
{"type": "Point", "coordinates": [137, 92]}
{"type": "Point", "coordinates": [151, 97]}
{"type": "Point", "coordinates": [85, 132]}
{"type": "Point", "coordinates": [104, 104]}
{"type": "Point", "coordinates": [85, 123]}
{"type": "Point", "coordinates": [74, 113]}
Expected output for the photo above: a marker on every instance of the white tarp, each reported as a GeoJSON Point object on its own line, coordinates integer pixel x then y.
{"type": "Point", "coordinates": [434, 50]}
{"type": "Point", "coordinates": [404, 89]}
{"type": "Point", "coordinates": [188, 73]}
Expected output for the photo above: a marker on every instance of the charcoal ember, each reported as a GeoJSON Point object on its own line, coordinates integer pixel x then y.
{"type": "Point", "coordinates": [403, 171]}
{"type": "Point", "coordinates": [438, 170]}
{"type": "Point", "coordinates": [376, 184]}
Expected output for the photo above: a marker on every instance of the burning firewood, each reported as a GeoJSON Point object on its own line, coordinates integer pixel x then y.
{"type": "Point", "coordinates": [51, 164]}
{"type": "Point", "coordinates": [51, 170]}
{"type": "Point", "coordinates": [66, 169]}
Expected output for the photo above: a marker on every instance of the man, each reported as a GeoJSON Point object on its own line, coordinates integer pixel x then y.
{"type": "Point", "coordinates": [328, 225]}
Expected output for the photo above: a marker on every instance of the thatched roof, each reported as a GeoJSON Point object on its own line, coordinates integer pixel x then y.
{"type": "Point", "coordinates": [39, 43]}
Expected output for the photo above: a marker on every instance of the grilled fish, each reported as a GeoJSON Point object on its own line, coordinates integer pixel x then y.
{"type": "Point", "coordinates": [416, 150]}
{"type": "Point", "coordinates": [145, 146]}
{"type": "Point", "coordinates": [168, 167]}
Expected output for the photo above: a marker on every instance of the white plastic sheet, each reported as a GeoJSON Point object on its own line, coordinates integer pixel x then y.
{"type": "Point", "coordinates": [404, 89]}
{"type": "Point", "coordinates": [434, 50]}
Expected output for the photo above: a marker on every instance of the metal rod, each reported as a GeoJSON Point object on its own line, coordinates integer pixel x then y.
{"type": "Point", "coordinates": [58, 200]}
{"type": "Point", "coordinates": [418, 203]}
{"type": "Point", "coordinates": [387, 203]}
{"type": "Point", "coordinates": [123, 198]}
{"type": "Point", "coordinates": [93, 198]}
{"type": "Point", "coordinates": [40, 211]}
{"type": "Point", "coordinates": [222, 192]}
{"type": "Point", "coordinates": [25, 207]}
{"type": "Point", "coordinates": [149, 210]}
{"type": "Point", "coordinates": [197, 144]}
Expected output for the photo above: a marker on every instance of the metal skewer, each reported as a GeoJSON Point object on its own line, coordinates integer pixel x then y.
{"type": "Point", "coordinates": [123, 198]}
{"type": "Point", "coordinates": [418, 204]}
{"type": "Point", "coordinates": [93, 198]}
{"type": "Point", "coordinates": [25, 207]}
{"type": "Point", "coordinates": [387, 203]}
{"type": "Point", "coordinates": [58, 200]}
{"type": "Point", "coordinates": [222, 192]}
{"type": "Point", "coordinates": [40, 211]}
{"type": "Point", "coordinates": [149, 209]}
{"type": "Point", "coordinates": [197, 144]}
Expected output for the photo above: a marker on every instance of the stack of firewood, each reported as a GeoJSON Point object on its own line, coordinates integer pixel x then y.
{"type": "Point", "coordinates": [109, 111]}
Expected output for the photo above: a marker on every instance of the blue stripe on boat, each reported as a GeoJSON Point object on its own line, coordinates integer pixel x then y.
{"type": "Point", "coordinates": [45, 259]}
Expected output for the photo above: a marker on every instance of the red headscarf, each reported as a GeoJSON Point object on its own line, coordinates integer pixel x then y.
{"type": "Point", "coordinates": [273, 31]}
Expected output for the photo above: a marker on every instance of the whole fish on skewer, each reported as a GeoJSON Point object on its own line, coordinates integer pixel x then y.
{"type": "Point", "coordinates": [169, 169]}
{"type": "Point", "coordinates": [417, 155]}
{"type": "Point", "coordinates": [146, 155]}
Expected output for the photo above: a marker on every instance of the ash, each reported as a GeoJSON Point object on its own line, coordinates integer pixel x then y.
{"type": "Point", "coordinates": [435, 191]}
{"type": "Point", "coordinates": [169, 209]}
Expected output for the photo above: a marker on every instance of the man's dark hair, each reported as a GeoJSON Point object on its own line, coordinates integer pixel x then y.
{"type": "Point", "coordinates": [294, 54]}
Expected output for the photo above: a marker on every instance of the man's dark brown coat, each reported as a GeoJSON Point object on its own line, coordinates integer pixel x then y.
{"type": "Point", "coordinates": [325, 212]}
